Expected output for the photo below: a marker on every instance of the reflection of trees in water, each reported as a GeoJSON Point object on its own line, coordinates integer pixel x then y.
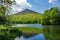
{"type": "Point", "coordinates": [52, 32]}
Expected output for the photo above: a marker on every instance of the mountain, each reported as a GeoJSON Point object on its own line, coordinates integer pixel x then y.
{"type": "Point", "coordinates": [27, 11]}
{"type": "Point", "coordinates": [25, 17]}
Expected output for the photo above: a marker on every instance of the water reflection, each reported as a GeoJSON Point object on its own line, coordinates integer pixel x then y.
{"type": "Point", "coordinates": [36, 37]}
{"type": "Point", "coordinates": [49, 32]}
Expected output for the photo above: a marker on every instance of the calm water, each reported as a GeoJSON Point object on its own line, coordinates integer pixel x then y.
{"type": "Point", "coordinates": [36, 37]}
{"type": "Point", "coordinates": [50, 32]}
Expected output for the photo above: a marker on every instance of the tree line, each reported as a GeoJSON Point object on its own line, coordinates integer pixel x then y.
{"type": "Point", "coordinates": [51, 16]}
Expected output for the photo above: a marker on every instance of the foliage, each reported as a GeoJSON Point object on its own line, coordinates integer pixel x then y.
{"type": "Point", "coordinates": [51, 16]}
{"type": "Point", "coordinates": [5, 6]}
{"type": "Point", "coordinates": [9, 33]}
{"type": "Point", "coordinates": [25, 18]}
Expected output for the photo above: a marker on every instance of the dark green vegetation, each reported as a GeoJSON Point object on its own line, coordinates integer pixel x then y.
{"type": "Point", "coordinates": [51, 32]}
{"type": "Point", "coordinates": [7, 33]}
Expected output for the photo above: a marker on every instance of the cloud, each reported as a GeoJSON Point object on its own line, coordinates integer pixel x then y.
{"type": "Point", "coordinates": [20, 5]}
{"type": "Point", "coordinates": [53, 1]}
{"type": "Point", "coordinates": [23, 3]}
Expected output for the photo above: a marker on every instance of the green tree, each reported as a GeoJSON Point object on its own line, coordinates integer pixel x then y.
{"type": "Point", "coordinates": [51, 16]}
{"type": "Point", "coordinates": [5, 6]}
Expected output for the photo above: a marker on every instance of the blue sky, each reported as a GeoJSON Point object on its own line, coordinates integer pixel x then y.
{"type": "Point", "coordinates": [35, 5]}
{"type": "Point", "coordinates": [41, 5]}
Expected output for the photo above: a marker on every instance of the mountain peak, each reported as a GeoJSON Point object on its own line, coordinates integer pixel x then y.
{"type": "Point", "coordinates": [28, 11]}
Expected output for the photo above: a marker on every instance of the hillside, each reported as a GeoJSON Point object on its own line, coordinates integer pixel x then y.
{"type": "Point", "coordinates": [26, 16]}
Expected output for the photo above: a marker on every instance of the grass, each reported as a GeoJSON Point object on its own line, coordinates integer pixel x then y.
{"type": "Point", "coordinates": [28, 31]}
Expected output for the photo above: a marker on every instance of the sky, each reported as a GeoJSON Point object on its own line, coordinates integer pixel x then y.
{"type": "Point", "coordinates": [35, 5]}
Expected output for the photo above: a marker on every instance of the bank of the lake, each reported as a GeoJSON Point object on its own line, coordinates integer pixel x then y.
{"type": "Point", "coordinates": [9, 33]}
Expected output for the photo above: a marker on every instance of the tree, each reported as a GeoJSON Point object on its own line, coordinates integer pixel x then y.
{"type": "Point", "coordinates": [5, 6]}
{"type": "Point", "coordinates": [54, 15]}
{"type": "Point", "coordinates": [46, 17]}
{"type": "Point", "coordinates": [51, 16]}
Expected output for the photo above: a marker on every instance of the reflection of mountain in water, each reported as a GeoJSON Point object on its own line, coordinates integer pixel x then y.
{"type": "Point", "coordinates": [36, 37]}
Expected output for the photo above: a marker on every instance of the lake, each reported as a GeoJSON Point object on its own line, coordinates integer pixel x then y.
{"type": "Point", "coordinates": [28, 25]}
{"type": "Point", "coordinates": [50, 32]}
{"type": "Point", "coordinates": [36, 37]}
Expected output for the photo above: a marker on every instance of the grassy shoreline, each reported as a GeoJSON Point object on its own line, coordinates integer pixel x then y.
{"type": "Point", "coordinates": [17, 31]}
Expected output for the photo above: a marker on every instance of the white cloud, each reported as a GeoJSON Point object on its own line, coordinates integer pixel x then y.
{"type": "Point", "coordinates": [20, 5]}
{"type": "Point", "coordinates": [23, 3]}
{"type": "Point", "coordinates": [53, 1]}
